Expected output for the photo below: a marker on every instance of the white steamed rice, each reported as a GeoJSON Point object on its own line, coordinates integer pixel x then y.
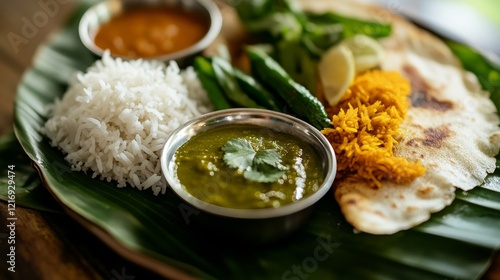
{"type": "Point", "coordinates": [114, 119]}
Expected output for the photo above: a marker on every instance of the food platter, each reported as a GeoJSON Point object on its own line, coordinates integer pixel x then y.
{"type": "Point", "coordinates": [456, 243]}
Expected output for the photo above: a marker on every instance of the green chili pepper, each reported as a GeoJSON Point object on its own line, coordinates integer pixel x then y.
{"type": "Point", "coordinates": [206, 74]}
{"type": "Point", "coordinates": [225, 76]}
{"type": "Point", "coordinates": [255, 90]}
{"type": "Point", "coordinates": [298, 98]}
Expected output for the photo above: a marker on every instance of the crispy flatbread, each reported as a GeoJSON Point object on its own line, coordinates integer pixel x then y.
{"type": "Point", "coordinates": [452, 127]}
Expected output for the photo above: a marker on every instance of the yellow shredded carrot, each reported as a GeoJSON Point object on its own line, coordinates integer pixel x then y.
{"type": "Point", "coordinates": [366, 127]}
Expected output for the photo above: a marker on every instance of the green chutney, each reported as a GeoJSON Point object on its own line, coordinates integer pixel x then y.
{"type": "Point", "coordinates": [202, 171]}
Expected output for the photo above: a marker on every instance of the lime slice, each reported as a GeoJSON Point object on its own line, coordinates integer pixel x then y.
{"type": "Point", "coordinates": [336, 71]}
{"type": "Point", "coordinates": [367, 52]}
{"type": "Point", "coordinates": [340, 63]}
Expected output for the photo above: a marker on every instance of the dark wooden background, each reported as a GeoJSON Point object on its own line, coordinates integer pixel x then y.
{"type": "Point", "coordinates": [52, 246]}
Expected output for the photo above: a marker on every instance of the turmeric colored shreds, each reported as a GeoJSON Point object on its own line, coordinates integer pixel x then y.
{"type": "Point", "coordinates": [366, 126]}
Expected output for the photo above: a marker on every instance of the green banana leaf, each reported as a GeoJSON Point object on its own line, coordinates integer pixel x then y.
{"type": "Point", "coordinates": [457, 243]}
{"type": "Point", "coordinates": [28, 188]}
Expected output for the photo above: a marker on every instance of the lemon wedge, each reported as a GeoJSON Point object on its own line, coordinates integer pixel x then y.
{"type": "Point", "coordinates": [367, 52]}
{"type": "Point", "coordinates": [339, 64]}
{"type": "Point", "coordinates": [336, 70]}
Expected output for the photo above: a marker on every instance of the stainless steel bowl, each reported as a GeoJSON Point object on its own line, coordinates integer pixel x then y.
{"type": "Point", "coordinates": [259, 225]}
{"type": "Point", "coordinates": [102, 12]}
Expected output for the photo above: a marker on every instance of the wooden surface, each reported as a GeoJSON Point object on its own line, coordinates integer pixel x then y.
{"type": "Point", "coordinates": [51, 246]}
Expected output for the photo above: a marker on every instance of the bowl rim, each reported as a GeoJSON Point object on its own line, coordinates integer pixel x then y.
{"type": "Point", "coordinates": [261, 213]}
{"type": "Point", "coordinates": [215, 27]}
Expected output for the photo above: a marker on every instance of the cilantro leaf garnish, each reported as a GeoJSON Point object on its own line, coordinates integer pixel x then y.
{"type": "Point", "coordinates": [269, 157]}
{"type": "Point", "coordinates": [238, 153]}
{"type": "Point", "coordinates": [259, 166]}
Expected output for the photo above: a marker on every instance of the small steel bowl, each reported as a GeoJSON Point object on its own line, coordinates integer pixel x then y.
{"type": "Point", "coordinates": [102, 12]}
{"type": "Point", "coordinates": [256, 225]}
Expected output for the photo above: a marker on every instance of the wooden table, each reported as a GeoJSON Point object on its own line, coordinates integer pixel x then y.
{"type": "Point", "coordinates": [52, 246]}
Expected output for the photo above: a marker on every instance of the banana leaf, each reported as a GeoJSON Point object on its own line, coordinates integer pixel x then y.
{"type": "Point", "coordinates": [456, 243]}
{"type": "Point", "coordinates": [28, 188]}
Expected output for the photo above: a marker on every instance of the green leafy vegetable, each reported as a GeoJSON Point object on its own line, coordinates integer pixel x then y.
{"type": "Point", "coordinates": [260, 166]}
{"type": "Point", "coordinates": [351, 26]}
{"type": "Point", "coordinates": [299, 39]}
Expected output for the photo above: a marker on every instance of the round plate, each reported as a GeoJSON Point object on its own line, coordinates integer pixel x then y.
{"type": "Point", "coordinates": [456, 243]}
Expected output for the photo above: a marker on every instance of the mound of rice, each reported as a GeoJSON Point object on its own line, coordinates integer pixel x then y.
{"type": "Point", "coordinates": [114, 120]}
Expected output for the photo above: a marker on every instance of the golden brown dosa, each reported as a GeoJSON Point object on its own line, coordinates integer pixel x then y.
{"type": "Point", "coordinates": [452, 127]}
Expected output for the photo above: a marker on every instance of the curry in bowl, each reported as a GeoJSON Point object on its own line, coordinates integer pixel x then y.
{"type": "Point", "coordinates": [157, 29]}
{"type": "Point", "coordinates": [248, 167]}
{"type": "Point", "coordinates": [250, 174]}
